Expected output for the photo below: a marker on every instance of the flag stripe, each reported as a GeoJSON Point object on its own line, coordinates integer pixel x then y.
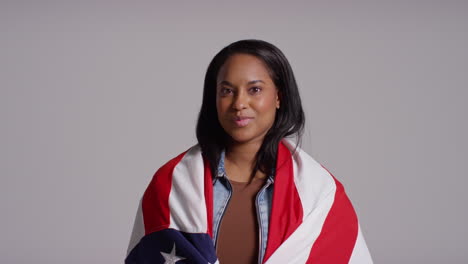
{"type": "Point", "coordinates": [312, 181]}
{"type": "Point", "coordinates": [296, 249]}
{"type": "Point", "coordinates": [315, 188]}
{"type": "Point", "coordinates": [138, 229]}
{"type": "Point", "coordinates": [188, 191]}
{"type": "Point", "coordinates": [286, 212]}
{"type": "Point", "coordinates": [339, 232]}
{"type": "Point", "coordinates": [360, 252]}
{"type": "Point", "coordinates": [208, 196]}
{"type": "Point", "coordinates": [155, 204]}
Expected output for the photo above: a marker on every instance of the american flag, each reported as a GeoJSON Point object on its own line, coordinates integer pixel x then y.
{"type": "Point", "coordinates": [312, 220]}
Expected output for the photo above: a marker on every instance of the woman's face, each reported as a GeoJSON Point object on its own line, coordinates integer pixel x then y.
{"type": "Point", "coordinates": [246, 98]}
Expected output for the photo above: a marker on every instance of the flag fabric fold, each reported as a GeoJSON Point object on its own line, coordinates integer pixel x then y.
{"type": "Point", "coordinates": [312, 220]}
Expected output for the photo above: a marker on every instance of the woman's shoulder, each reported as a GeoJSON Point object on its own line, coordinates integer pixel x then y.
{"type": "Point", "coordinates": [313, 181]}
{"type": "Point", "coordinates": [188, 154]}
{"type": "Point", "coordinates": [176, 171]}
{"type": "Point", "coordinates": [184, 157]}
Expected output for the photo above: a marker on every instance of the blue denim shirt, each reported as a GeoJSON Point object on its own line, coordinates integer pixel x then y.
{"type": "Point", "coordinates": [222, 191]}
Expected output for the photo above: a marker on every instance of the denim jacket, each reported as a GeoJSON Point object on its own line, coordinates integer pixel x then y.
{"type": "Point", "coordinates": [222, 191]}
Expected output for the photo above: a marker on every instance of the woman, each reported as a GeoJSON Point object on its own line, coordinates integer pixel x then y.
{"type": "Point", "coordinates": [245, 193]}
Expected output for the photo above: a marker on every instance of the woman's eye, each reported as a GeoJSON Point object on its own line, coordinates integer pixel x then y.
{"type": "Point", "coordinates": [255, 89]}
{"type": "Point", "coordinates": [225, 91]}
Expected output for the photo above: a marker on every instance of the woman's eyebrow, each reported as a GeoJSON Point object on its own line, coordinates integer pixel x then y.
{"type": "Point", "coordinates": [250, 82]}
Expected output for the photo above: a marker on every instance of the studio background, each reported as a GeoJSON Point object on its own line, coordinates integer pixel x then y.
{"type": "Point", "coordinates": [97, 95]}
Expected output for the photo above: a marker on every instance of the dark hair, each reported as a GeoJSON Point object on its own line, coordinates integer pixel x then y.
{"type": "Point", "coordinates": [289, 118]}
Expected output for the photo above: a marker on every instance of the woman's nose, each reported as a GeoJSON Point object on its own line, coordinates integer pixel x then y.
{"type": "Point", "coordinates": [240, 101]}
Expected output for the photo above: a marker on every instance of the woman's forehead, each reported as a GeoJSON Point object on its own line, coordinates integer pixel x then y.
{"type": "Point", "coordinates": [243, 68]}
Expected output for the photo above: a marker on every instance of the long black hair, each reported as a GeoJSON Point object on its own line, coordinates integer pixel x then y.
{"type": "Point", "coordinates": [289, 120]}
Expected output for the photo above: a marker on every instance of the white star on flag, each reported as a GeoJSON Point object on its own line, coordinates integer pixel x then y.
{"type": "Point", "coordinates": [171, 258]}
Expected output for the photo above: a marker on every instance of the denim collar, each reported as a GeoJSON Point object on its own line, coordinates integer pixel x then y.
{"type": "Point", "coordinates": [222, 171]}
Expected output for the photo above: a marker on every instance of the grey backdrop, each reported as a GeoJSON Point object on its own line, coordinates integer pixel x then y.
{"type": "Point", "coordinates": [96, 95]}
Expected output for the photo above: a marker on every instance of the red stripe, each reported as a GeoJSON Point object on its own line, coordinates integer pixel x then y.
{"type": "Point", "coordinates": [336, 241]}
{"type": "Point", "coordinates": [208, 196]}
{"type": "Point", "coordinates": [286, 212]}
{"type": "Point", "coordinates": [155, 204]}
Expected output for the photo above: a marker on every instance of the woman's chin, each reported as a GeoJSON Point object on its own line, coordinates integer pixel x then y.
{"type": "Point", "coordinates": [242, 138]}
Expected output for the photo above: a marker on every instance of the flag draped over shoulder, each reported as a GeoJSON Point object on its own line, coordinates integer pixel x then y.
{"type": "Point", "coordinates": [312, 220]}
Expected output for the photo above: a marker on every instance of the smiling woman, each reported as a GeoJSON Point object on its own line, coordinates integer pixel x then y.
{"type": "Point", "coordinates": [246, 102]}
{"type": "Point", "coordinates": [245, 193]}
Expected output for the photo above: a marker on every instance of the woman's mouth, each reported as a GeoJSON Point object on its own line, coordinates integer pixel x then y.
{"type": "Point", "coordinates": [242, 121]}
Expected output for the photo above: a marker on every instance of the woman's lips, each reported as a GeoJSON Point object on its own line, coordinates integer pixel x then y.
{"type": "Point", "coordinates": [242, 122]}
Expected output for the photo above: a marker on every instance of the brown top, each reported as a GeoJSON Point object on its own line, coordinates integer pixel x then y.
{"type": "Point", "coordinates": [238, 236]}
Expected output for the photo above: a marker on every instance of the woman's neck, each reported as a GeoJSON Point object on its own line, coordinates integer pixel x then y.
{"type": "Point", "coordinates": [240, 160]}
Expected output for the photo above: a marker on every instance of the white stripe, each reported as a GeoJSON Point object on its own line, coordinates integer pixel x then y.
{"type": "Point", "coordinates": [296, 249]}
{"type": "Point", "coordinates": [360, 253]}
{"type": "Point", "coordinates": [138, 229]}
{"type": "Point", "coordinates": [311, 179]}
{"type": "Point", "coordinates": [187, 197]}
{"type": "Point", "coordinates": [316, 189]}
